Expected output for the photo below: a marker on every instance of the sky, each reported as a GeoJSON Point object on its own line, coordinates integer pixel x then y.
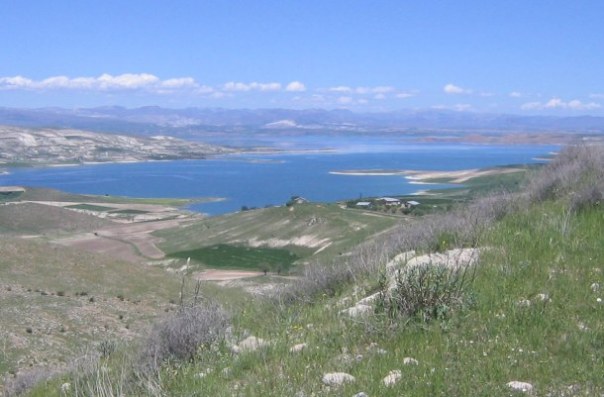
{"type": "Point", "coordinates": [521, 57]}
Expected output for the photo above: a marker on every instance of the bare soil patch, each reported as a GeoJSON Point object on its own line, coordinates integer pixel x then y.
{"type": "Point", "coordinates": [224, 275]}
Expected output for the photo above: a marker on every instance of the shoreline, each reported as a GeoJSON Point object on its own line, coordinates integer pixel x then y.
{"type": "Point", "coordinates": [419, 177]}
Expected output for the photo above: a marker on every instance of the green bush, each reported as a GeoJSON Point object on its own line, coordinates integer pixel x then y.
{"type": "Point", "coordinates": [426, 292]}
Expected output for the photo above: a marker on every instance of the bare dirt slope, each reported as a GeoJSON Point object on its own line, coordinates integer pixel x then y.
{"type": "Point", "coordinates": [35, 218]}
{"type": "Point", "coordinates": [55, 301]}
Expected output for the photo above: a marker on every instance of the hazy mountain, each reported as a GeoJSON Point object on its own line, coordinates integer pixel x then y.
{"type": "Point", "coordinates": [153, 120]}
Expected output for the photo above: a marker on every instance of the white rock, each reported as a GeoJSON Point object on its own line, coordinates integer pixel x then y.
{"type": "Point", "coordinates": [543, 297]}
{"type": "Point", "coordinates": [523, 303]}
{"type": "Point", "coordinates": [297, 348]}
{"type": "Point", "coordinates": [399, 261]}
{"type": "Point", "coordinates": [369, 299]}
{"type": "Point", "coordinates": [520, 386]}
{"type": "Point", "coordinates": [203, 374]}
{"type": "Point", "coordinates": [361, 394]}
{"type": "Point", "coordinates": [392, 377]}
{"type": "Point", "coordinates": [595, 287]}
{"type": "Point", "coordinates": [65, 388]}
{"type": "Point", "coordinates": [458, 257]}
{"type": "Point", "coordinates": [249, 344]}
{"type": "Point", "coordinates": [337, 378]}
{"type": "Point", "coordinates": [358, 310]}
{"type": "Point", "coordinates": [410, 361]}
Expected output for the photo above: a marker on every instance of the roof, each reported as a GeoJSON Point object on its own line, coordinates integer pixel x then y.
{"type": "Point", "coordinates": [363, 203]}
{"type": "Point", "coordinates": [389, 199]}
{"type": "Point", "coordinates": [412, 202]}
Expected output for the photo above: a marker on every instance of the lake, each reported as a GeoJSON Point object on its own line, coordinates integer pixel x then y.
{"type": "Point", "coordinates": [261, 180]}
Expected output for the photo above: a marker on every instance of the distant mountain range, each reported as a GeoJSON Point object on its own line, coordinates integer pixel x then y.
{"type": "Point", "coordinates": [153, 120]}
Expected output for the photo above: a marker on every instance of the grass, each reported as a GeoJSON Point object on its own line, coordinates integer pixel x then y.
{"type": "Point", "coordinates": [90, 207]}
{"type": "Point", "coordinates": [43, 194]}
{"type": "Point", "coordinates": [536, 315]}
{"type": "Point", "coordinates": [553, 343]}
{"type": "Point", "coordinates": [70, 300]}
{"type": "Point", "coordinates": [33, 218]}
{"type": "Point", "coordinates": [224, 256]}
{"type": "Point", "coordinates": [302, 229]}
{"type": "Point", "coordinates": [439, 200]}
{"type": "Point", "coordinates": [130, 212]}
{"type": "Point", "coordinates": [9, 196]}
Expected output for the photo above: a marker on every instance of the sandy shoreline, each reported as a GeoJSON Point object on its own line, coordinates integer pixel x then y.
{"type": "Point", "coordinates": [419, 177]}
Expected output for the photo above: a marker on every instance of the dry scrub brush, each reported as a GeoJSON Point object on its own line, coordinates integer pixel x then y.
{"type": "Point", "coordinates": [575, 175]}
{"type": "Point", "coordinates": [180, 336]}
{"type": "Point", "coordinates": [25, 381]}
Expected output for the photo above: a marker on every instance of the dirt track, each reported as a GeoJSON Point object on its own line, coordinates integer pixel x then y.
{"type": "Point", "coordinates": [224, 275]}
{"type": "Point", "coordinates": [127, 238]}
{"type": "Point", "coordinates": [132, 242]}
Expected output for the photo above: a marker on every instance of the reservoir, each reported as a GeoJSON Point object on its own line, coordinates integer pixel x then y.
{"type": "Point", "coordinates": [259, 180]}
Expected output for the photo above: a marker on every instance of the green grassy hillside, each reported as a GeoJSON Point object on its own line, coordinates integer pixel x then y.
{"type": "Point", "coordinates": [529, 310]}
{"type": "Point", "coordinates": [306, 230]}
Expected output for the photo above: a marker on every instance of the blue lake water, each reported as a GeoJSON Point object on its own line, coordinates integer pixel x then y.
{"type": "Point", "coordinates": [261, 180]}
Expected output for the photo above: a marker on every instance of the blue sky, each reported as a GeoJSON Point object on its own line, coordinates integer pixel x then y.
{"type": "Point", "coordinates": [523, 57]}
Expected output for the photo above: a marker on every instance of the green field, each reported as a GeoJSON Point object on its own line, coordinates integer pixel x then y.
{"type": "Point", "coordinates": [224, 256]}
{"type": "Point", "coordinates": [130, 212]}
{"type": "Point", "coordinates": [9, 196]}
{"type": "Point", "coordinates": [302, 229]}
{"type": "Point", "coordinates": [90, 207]}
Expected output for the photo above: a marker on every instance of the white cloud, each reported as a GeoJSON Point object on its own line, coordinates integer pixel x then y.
{"type": "Point", "coordinates": [254, 86]}
{"type": "Point", "coordinates": [16, 82]}
{"type": "Point", "coordinates": [340, 88]}
{"type": "Point", "coordinates": [204, 90]}
{"type": "Point", "coordinates": [402, 95]}
{"type": "Point", "coordinates": [554, 103]}
{"type": "Point", "coordinates": [104, 82]}
{"type": "Point", "coordinates": [344, 89]}
{"type": "Point", "coordinates": [345, 100]}
{"type": "Point", "coordinates": [596, 96]}
{"type": "Point", "coordinates": [455, 90]}
{"type": "Point", "coordinates": [531, 106]}
{"type": "Point", "coordinates": [383, 89]}
{"type": "Point", "coordinates": [379, 96]}
{"type": "Point", "coordinates": [295, 86]}
{"type": "Point", "coordinates": [515, 94]}
{"type": "Point", "coordinates": [460, 107]}
{"type": "Point", "coordinates": [181, 82]}
{"type": "Point", "coordinates": [126, 81]}
{"type": "Point", "coordinates": [557, 103]}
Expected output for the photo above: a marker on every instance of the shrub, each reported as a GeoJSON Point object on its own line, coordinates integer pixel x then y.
{"type": "Point", "coordinates": [106, 348]}
{"type": "Point", "coordinates": [25, 381]}
{"type": "Point", "coordinates": [180, 336]}
{"type": "Point", "coordinates": [588, 197]}
{"type": "Point", "coordinates": [575, 174]}
{"type": "Point", "coordinates": [426, 292]}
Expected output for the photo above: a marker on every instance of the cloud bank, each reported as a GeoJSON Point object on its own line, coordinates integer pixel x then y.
{"type": "Point", "coordinates": [141, 82]}
{"type": "Point", "coordinates": [557, 103]}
